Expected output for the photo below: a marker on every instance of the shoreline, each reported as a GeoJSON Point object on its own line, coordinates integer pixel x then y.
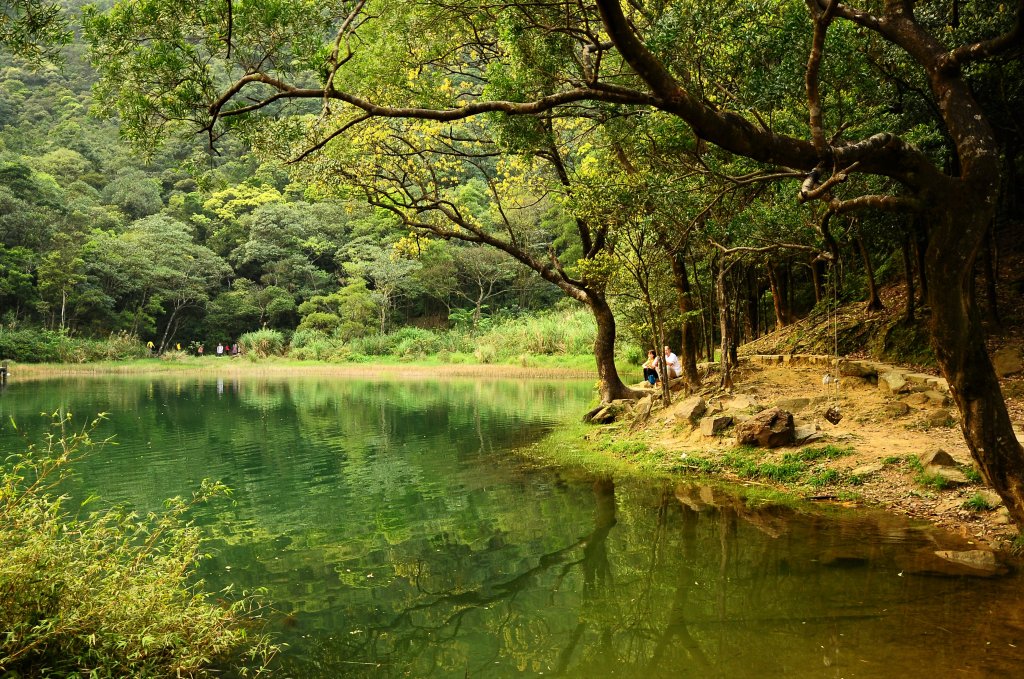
{"type": "Point", "coordinates": [658, 449]}
{"type": "Point", "coordinates": [272, 367]}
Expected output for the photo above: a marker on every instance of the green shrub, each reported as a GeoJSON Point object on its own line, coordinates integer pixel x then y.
{"type": "Point", "coordinates": [262, 343]}
{"type": "Point", "coordinates": [486, 353]}
{"type": "Point", "coordinates": [414, 342]}
{"type": "Point", "coordinates": [302, 337]}
{"type": "Point", "coordinates": [372, 345]}
{"type": "Point", "coordinates": [111, 594]}
{"type": "Point", "coordinates": [35, 345]}
{"type": "Point", "coordinates": [977, 503]}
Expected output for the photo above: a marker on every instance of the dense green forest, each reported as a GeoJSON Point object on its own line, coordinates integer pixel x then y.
{"type": "Point", "coordinates": [186, 244]}
{"type": "Point", "coordinates": [328, 173]}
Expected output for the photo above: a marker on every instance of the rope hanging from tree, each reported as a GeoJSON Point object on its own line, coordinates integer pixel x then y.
{"type": "Point", "coordinates": [831, 381]}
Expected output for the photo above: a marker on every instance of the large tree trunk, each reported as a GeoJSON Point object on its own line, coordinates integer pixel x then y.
{"type": "Point", "coordinates": [609, 383]}
{"type": "Point", "coordinates": [959, 345]}
{"type": "Point", "coordinates": [688, 350]}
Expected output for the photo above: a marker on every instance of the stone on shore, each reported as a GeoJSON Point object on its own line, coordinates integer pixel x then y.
{"type": "Point", "coordinates": [769, 428]}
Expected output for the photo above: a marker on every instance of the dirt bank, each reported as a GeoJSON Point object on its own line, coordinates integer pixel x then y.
{"type": "Point", "coordinates": [870, 457]}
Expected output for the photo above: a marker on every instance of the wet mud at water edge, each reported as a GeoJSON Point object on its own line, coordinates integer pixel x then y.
{"type": "Point", "coordinates": [398, 534]}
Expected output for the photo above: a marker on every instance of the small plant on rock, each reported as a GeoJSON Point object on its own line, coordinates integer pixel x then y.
{"type": "Point", "coordinates": [977, 503]}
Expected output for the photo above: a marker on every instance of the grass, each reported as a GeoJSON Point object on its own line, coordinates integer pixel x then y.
{"type": "Point", "coordinates": [977, 503]}
{"type": "Point", "coordinates": [826, 477]}
{"type": "Point", "coordinates": [933, 481]}
{"type": "Point", "coordinates": [790, 468]}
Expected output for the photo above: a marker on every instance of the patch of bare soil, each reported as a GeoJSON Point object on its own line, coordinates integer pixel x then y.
{"type": "Point", "coordinates": [886, 433]}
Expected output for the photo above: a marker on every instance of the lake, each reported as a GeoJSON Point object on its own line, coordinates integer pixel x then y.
{"type": "Point", "coordinates": [399, 533]}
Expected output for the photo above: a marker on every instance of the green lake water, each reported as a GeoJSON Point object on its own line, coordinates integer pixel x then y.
{"type": "Point", "coordinates": [398, 534]}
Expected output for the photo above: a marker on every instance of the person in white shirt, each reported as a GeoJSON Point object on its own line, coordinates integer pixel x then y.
{"type": "Point", "coordinates": [672, 364]}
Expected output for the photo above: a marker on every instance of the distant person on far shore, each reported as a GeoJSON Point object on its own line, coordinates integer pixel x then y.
{"type": "Point", "coordinates": [199, 350]}
{"type": "Point", "coordinates": [220, 349]}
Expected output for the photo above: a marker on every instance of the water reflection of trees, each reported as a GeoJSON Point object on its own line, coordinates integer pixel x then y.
{"type": "Point", "coordinates": [691, 581]}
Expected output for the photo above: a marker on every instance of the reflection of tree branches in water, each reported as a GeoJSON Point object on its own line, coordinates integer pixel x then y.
{"type": "Point", "coordinates": [413, 639]}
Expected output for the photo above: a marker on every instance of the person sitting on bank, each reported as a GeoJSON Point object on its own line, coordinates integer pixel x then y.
{"type": "Point", "coordinates": [650, 367]}
{"type": "Point", "coordinates": [672, 364]}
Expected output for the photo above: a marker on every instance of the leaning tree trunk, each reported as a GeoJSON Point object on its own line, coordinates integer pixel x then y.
{"type": "Point", "coordinates": [609, 383]}
{"type": "Point", "coordinates": [959, 344]}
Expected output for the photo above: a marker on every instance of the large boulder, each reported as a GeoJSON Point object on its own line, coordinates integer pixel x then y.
{"type": "Point", "coordinates": [715, 424]}
{"type": "Point", "coordinates": [691, 409]}
{"type": "Point", "coordinates": [855, 369]}
{"type": "Point", "coordinates": [770, 428]}
{"type": "Point", "coordinates": [1007, 361]}
{"type": "Point", "coordinates": [936, 457]}
{"type": "Point", "coordinates": [893, 382]}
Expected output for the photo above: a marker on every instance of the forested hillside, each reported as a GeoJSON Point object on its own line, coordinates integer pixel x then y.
{"type": "Point", "coordinates": [183, 244]}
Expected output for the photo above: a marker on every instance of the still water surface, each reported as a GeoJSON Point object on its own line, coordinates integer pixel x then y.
{"type": "Point", "coordinates": [398, 534]}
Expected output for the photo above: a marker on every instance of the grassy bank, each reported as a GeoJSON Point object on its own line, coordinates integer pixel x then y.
{"type": "Point", "coordinates": [553, 344]}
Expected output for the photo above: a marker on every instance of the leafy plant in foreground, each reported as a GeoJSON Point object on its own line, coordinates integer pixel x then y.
{"type": "Point", "coordinates": [111, 593]}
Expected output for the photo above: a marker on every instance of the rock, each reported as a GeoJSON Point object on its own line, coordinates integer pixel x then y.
{"type": "Point", "coordinates": [978, 559]}
{"type": "Point", "coordinates": [918, 378]}
{"type": "Point", "coordinates": [936, 398]}
{"type": "Point", "coordinates": [897, 409]}
{"type": "Point", "coordinates": [770, 428]}
{"type": "Point", "coordinates": [936, 458]}
{"type": "Point", "coordinates": [892, 382]}
{"type": "Point", "coordinates": [952, 475]}
{"type": "Point", "coordinates": [940, 418]}
{"type": "Point", "coordinates": [853, 382]}
{"type": "Point", "coordinates": [807, 433]}
{"type": "Point", "coordinates": [642, 412]}
{"type": "Point", "coordinates": [740, 402]}
{"type": "Point", "coordinates": [1007, 361]}
{"type": "Point", "coordinates": [691, 409]}
{"type": "Point", "coordinates": [975, 562]}
{"type": "Point", "coordinates": [868, 469]}
{"type": "Point", "coordinates": [917, 400]}
{"type": "Point", "coordinates": [1002, 517]}
{"type": "Point", "coordinates": [855, 369]}
{"type": "Point", "coordinates": [991, 497]}
{"type": "Point", "coordinates": [793, 404]}
{"type": "Point", "coordinates": [710, 426]}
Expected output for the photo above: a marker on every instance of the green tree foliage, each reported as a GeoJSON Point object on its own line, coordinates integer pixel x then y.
{"type": "Point", "coordinates": [33, 29]}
